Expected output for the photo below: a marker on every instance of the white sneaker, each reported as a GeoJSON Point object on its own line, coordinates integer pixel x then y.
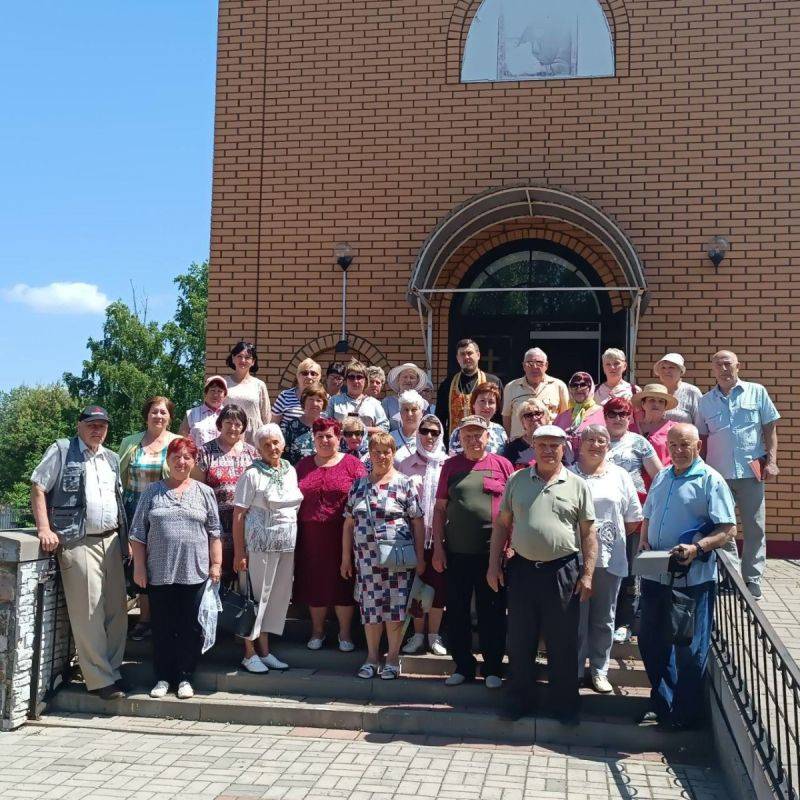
{"type": "Point", "coordinates": [622, 634]}
{"type": "Point", "coordinates": [272, 662]}
{"type": "Point", "coordinates": [160, 689]}
{"type": "Point", "coordinates": [254, 664]}
{"type": "Point", "coordinates": [414, 644]}
{"type": "Point", "coordinates": [601, 684]}
{"type": "Point", "coordinates": [456, 679]}
{"type": "Point", "coordinates": [493, 682]}
{"type": "Point", "coordinates": [435, 645]}
{"type": "Point", "coordinates": [346, 646]}
{"type": "Point", "coordinates": [315, 642]}
{"type": "Point", "coordinates": [185, 690]}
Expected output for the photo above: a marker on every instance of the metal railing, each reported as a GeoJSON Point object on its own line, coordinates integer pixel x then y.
{"type": "Point", "coordinates": [763, 677]}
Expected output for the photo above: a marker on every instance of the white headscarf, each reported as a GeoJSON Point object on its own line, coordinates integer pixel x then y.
{"type": "Point", "coordinates": [434, 460]}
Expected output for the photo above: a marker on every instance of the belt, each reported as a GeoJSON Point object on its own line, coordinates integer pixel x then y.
{"type": "Point", "coordinates": [104, 533]}
{"type": "Point", "coordinates": [550, 565]}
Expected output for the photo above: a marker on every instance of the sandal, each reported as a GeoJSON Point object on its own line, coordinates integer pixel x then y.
{"type": "Point", "coordinates": [367, 671]}
{"type": "Point", "coordinates": [390, 672]}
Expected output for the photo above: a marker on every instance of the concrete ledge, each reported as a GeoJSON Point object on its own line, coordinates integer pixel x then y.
{"type": "Point", "coordinates": [20, 545]}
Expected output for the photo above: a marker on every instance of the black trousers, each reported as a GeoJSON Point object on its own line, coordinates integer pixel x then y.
{"type": "Point", "coordinates": [542, 601]}
{"type": "Point", "coordinates": [177, 635]}
{"type": "Point", "coordinates": [466, 575]}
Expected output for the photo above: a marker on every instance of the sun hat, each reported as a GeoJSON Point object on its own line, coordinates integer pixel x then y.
{"type": "Point", "coordinates": [657, 390]}
{"type": "Point", "coordinates": [673, 358]}
{"type": "Point", "coordinates": [474, 421]}
{"type": "Point", "coordinates": [550, 430]}
{"type": "Point", "coordinates": [395, 372]}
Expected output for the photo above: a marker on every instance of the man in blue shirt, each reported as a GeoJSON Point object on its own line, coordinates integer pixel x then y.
{"type": "Point", "coordinates": [684, 497]}
{"type": "Point", "coordinates": [739, 419]}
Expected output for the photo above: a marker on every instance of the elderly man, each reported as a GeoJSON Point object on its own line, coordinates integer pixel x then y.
{"type": "Point", "coordinates": [467, 500]}
{"type": "Point", "coordinates": [689, 512]}
{"type": "Point", "coordinates": [535, 383]}
{"type": "Point", "coordinates": [76, 498]}
{"type": "Point", "coordinates": [739, 419]}
{"type": "Point", "coordinates": [547, 512]}
{"type": "Point", "coordinates": [452, 399]}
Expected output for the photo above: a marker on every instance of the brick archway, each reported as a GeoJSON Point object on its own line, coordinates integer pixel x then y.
{"type": "Point", "coordinates": [464, 12]}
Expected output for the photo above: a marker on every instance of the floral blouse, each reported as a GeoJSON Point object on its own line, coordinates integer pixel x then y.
{"type": "Point", "coordinates": [222, 471]}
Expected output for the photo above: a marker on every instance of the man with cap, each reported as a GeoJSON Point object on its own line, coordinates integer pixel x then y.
{"type": "Point", "coordinates": [670, 371]}
{"type": "Point", "coordinates": [200, 422]}
{"type": "Point", "coordinates": [452, 399]}
{"type": "Point", "coordinates": [467, 500]}
{"type": "Point", "coordinates": [534, 383]}
{"type": "Point", "coordinates": [739, 420]}
{"type": "Point", "coordinates": [76, 498]}
{"type": "Point", "coordinates": [547, 514]}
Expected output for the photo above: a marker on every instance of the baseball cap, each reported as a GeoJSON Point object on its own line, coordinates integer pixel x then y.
{"type": "Point", "coordinates": [215, 379]}
{"type": "Point", "coordinates": [474, 420]}
{"type": "Point", "coordinates": [93, 413]}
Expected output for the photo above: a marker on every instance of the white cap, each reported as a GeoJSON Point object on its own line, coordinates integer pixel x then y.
{"type": "Point", "coordinates": [550, 430]}
{"type": "Point", "coordinates": [674, 358]}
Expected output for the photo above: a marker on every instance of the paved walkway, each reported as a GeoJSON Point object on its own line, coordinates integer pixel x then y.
{"type": "Point", "coordinates": [77, 758]}
{"type": "Point", "coordinates": [781, 602]}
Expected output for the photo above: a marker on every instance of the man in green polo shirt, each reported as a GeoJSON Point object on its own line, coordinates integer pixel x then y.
{"type": "Point", "coordinates": [551, 513]}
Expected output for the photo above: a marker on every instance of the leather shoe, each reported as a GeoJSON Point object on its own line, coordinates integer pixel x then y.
{"type": "Point", "coordinates": [112, 692]}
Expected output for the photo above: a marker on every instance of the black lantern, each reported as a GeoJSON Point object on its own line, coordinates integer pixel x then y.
{"type": "Point", "coordinates": [717, 248]}
{"type": "Point", "coordinates": [343, 254]}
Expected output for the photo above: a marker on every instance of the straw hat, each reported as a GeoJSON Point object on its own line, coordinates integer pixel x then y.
{"type": "Point", "coordinates": [395, 373]}
{"type": "Point", "coordinates": [657, 390]}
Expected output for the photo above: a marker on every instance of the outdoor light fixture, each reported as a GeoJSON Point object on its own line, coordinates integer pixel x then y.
{"type": "Point", "coordinates": [343, 254]}
{"type": "Point", "coordinates": [717, 248]}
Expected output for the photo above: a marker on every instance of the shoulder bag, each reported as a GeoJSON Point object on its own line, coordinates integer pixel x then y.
{"type": "Point", "coordinates": [679, 609]}
{"type": "Point", "coordinates": [396, 556]}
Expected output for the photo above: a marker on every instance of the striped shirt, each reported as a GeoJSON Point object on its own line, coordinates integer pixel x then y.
{"type": "Point", "coordinates": [287, 404]}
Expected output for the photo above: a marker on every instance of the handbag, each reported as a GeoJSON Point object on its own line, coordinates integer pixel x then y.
{"type": "Point", "coordinates": [396, 556]}
{"type": "Point", "coordinates": [238, 615]}
{"type": "Point", "coordinates": [679, 612]}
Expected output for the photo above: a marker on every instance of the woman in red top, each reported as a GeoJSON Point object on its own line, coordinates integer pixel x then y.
{"type": "Point", "coordinates": [325, 480]}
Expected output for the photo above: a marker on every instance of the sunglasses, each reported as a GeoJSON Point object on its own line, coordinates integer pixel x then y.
{"type": "Point", "coordinates": [354, 377]}
{"type": "Point", "coordinates": [353, 433]}
{"type": "Point", "coordinates": [580, 385]}
{"type": "Point", "coordinates": [532, 415]}
{"type": "Point", "coordinates": [428, 432]}
{"type": "Point", "coordinates": [307, 373]}
{"type": "Point", "coordinates": [616, 414]}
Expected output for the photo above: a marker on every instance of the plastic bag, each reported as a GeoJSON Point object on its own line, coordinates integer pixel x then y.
{"type": "Point", "coordinates": [210, 607]}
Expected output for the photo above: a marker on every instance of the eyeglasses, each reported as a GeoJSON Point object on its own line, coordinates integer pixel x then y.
{"type": "Point", "coordinates": [580, 385]}
{"type": "Point", "coordinates": [428, 432]}
{"type": "Point", "coordinates": [308, 373]}
{"type": "Point", "coordinates": [353, 377]}
{"type": "Point", "coordinates": [616, 414]}
{"type": "Point", "coordinates": [535, 363]}
{"type": "Point", "coordinates": [532, 415]}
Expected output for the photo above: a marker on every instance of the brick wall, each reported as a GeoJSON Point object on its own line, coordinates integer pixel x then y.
{"type": "Point", "coordinates": [346, 121]}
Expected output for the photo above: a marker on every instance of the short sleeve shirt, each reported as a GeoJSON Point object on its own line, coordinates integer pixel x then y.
{"type": "Point", "coordinates": [551, 391]}
{"type": "Point", "coordinates": [630, 452]}
{"type": "Point", "coordinates": [546, 517]}
{"type": "Point", "coordinates": [472, 490]}
{"type": "Point", "coordinates": [734, 426]}
{"type": "Point", "coordinates": [688, 397]}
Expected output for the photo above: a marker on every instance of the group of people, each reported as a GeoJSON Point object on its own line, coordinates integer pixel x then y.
{"type": "Point", "coordinates": [531, 500]}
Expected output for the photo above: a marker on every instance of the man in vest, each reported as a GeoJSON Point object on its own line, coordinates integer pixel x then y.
{"type": "Point", "coordinates": [452, 399]}
{"type": "Point", "coordinates": [76, 498]}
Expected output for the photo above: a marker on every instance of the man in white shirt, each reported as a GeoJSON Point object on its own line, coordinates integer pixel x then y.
{"type": "Point", "coordinates": [76, 498]}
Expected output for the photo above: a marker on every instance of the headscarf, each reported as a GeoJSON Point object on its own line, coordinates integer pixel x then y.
{"type": "Point", "coordinates": [581, 410]}
{"type": "Point", "coordinates": [433, 467]}
{"type": "Point", "coordinates": [363, 445]}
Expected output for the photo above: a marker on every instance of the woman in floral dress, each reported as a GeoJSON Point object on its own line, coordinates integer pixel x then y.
{"type": "Point", "coordinates": [382, 507]}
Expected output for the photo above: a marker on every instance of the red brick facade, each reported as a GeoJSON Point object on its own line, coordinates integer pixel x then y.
{"type": "Point", "coordinates": [347, 121]}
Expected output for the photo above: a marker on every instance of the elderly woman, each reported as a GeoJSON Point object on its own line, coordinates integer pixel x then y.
{"type": "Point", "coordinates": [429, 393]}
{"type": "Point", "coordinates": [264, 536]}
{"type": "Point", "coordinates": [297, 432]}
{"type": "Point", "coordinates": [615, 364]}
{"type": "Point", "coordinates": [382, 509]}
{"type": "Point", "coordinates": [325, 480]}
{"type": "Point", "coordinates": [654, 401]}
{"type": "Point", "coordinates": [354, 402]}
{"type": "Point", "coordinates": [532, 414]}
{"type": "Point", "coordinates": [334, 378]}
{"type": "Point", "coordinates": [287, 405]}
{"type": "Point", "coordinates": [220, 464]}
{"type": "Point", "coordinates": [143, 460]}
{"type": "Point", "coordinates": [412, 407]}
{"type": "Point", "coordinates": [376, 378]}
{"type": "Point", "coordinates": [484, 401]}
{"type": "Point", "coordinates": [582, 411]}
{"type": "Point", "coordinates": [618, 514]}
{"type": "Point", "coordinates": [424, 466]}
{"type": "Point", "coordinates": [245, 390]}
{"type": "Point", "coordinates": [200, 422]}
{"type": "Point", "coordinates": [176, 549]}
{"type": "Point", "coordinates": [355, 440]}
{"type": "Point", "coordinates": [670, 371]}
{"type": "Point", "coordinates": [401, 379]}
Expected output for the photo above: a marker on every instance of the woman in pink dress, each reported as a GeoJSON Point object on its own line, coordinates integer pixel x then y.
{"type": "Point", "coordinates": [325, 480]}
{"type": "Point", "coordinates": [582, 411]}
{"type": "Point", "coordinates": [652, 403]}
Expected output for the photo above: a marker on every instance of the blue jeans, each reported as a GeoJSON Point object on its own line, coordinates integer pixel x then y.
{"type": "Point", "coordinates": [676, 673]}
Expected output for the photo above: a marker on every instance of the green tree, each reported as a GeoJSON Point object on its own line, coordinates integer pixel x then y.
{"type": "Point", "coordinates": [135, 359]}
{"type": "Point", "coordinates": [33, 418]}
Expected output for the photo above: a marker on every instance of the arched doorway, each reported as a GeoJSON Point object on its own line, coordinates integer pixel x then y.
{"type": "Point", "coordinates": [571, 325]}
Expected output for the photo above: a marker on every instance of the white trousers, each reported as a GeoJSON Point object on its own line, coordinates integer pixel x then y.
{"type": "Point", "coordinates": [271, 575]}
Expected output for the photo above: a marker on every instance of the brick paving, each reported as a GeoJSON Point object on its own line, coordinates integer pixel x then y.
{"type": "Point", "coordinates": [781, 601]}
{"type": "Point", "coordinates": [73, 757]}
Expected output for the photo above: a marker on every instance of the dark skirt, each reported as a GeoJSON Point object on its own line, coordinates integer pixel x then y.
{"type": "Point", "coordinates": [435, 579]}
{"type": "Point", "coordinates": [317, 560]}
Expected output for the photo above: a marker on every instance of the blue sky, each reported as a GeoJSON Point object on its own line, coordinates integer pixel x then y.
{"type": "Point", "coordinates": [106, 140]}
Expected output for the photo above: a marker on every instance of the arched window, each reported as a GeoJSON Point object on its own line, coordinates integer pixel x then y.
{"type": "Point", "coordinates": [519, 40]}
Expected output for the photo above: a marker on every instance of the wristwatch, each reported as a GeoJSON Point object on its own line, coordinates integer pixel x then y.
{"type": "Point", "coordinates": [700, 551]}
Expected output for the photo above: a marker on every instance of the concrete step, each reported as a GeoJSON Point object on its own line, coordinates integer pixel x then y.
{"type": "Point", "coordinates": [385, 717]}
{"type": "Point", "coordinates": [624, 703]}
{"type": "Point", "coordinates": [624, 671]}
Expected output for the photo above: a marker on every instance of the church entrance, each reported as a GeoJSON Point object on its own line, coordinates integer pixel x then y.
{"type": "Point", "coordinates": [573, 322]}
